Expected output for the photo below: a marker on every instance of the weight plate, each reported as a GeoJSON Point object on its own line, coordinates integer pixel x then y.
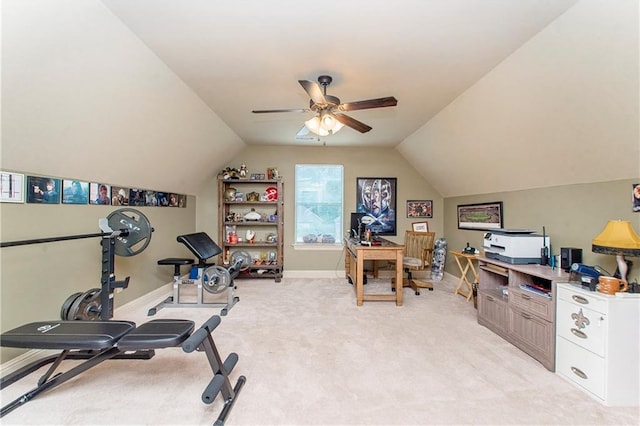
{"type": "Point", "coordinates": [86, 307]}
{"type": "Point", "coordinates": [216, 279]}
{"type": "Point", "coordinates": [242, 255]}
{"type": "Point", "coordinates": [64, 311]}
{"type": "Point", "coordinates": [139, 229]}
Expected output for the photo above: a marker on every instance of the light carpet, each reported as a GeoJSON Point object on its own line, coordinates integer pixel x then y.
{"type": "Point", "coordinates": [312, 357]}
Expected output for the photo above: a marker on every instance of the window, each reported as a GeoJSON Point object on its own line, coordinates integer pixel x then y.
{"type": "Point", "coordinates": [319, 199]}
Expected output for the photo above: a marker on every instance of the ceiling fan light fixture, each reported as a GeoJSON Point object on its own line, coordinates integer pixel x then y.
{"type": "Point", "coordinates": [314, 126]}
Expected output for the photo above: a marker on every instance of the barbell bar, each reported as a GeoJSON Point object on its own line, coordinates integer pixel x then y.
{"type": "Point", "coordinates": [131, 236]}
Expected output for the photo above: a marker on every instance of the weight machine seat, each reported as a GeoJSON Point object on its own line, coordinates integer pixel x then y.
{"type": "Point", "coordinates": [95, 335]}
{"type": "Point", "coordinates": [200, 245]}
{"type": "Point", "coordinates": [104, 340]}
{"type": "Point", "coordinates": [157, 334]}
{"type": "Point", "coordinates": [83, 335]}
{"type": "Point", "coordinates": [177, 262]}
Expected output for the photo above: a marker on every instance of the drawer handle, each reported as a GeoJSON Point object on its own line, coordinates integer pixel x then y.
{"type": "Point", "coordinates": [525, 316]}
{"type": "Point", "coordinates": [580, 299]}
{"type": "Point", "coordinates": [489, 298]}
{"type": "Point", "coordinates": [578, 333]}
{"type": "Point", "coordinates": [525, 296]}
{"type": "Point", "coordinates": [579, 373]}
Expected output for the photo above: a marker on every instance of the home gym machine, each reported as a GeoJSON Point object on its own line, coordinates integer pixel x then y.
{"type": "Point", "coordinates": [125, 232]}
{"type": "Point", "coordinates": [86, 331]}
{"type": "Point", "coordinates": [213, 278]}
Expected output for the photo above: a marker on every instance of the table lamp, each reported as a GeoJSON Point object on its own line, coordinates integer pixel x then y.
{"type": "Point", "coordinates": [620, 239]}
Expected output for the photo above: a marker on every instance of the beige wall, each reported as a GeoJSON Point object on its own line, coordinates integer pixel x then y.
{"type": "Point", "coordinates": [84, 98]}
{"type": "Point", "coordinates": [35, 280]}
{"type": "Point", "coordinates": [553, 113]}
{"type": "Point", "coordinates": [572, 216]}
{"type": "Point", "coordinates": [358, 162]}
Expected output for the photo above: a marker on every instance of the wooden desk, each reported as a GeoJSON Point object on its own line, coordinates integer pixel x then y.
{"type": "Point", "coordinates": [356, 254]}
{"type": "Point", "coordinates": [467, 260]}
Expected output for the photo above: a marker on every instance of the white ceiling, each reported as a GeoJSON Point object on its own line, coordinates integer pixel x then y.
{"type": "Point", "coordinates": [249, 54]}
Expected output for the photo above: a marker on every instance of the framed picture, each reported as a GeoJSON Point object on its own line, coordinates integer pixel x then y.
{"type": "Point", "coordinates": [420, 226]}
{"type": "Point", "coordinates": [635, 196]}
{"type": "Point", "coordinates": [376, 199]}
{"type": "Point", "coordinates": [420, 208]}
{"type": "Point", "coordinates": [481, 216]}
{"type": "Point", "coordinates": [137, 197]}
{"type": "Point", "coordinates": [11, 187]}
{"type": "Point", "coordinates": [99, 193]}
{"type": "Point", "coordinates": [75, 192]}
{"type": "Point", "coordinates": [43, 190]}
{"type": "Point", "coordinates": [272, 173]}
{"type": "Point", "coordinates": [119, 196]}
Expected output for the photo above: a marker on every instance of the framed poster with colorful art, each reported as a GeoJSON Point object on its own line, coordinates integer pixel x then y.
{"type": "Point", "coordinates": [43, 190]}
{"type": "Point", "coordinates": [376, 198]}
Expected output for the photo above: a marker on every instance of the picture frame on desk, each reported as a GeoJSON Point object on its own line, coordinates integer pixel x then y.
{"type": "Point", "coordinates": [481, 216]}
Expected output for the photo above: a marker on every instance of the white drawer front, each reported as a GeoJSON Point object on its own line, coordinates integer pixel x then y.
{"type": "Point", "coordinates": [581, 367]}
{"type": "Point", "coordinates": [590, 299]}
{"type": "Point", "coordinates": [581, 326]}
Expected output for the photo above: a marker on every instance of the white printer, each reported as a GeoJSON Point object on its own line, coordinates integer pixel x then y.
{"type": "Point", "coordinates": [515, 246]}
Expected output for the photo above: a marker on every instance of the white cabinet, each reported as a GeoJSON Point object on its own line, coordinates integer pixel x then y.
{"type": "Point", "coordinates": [598, 343]}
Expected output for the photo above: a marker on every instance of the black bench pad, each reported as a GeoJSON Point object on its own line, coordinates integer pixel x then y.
{"type": "Point", "coordinates": [67, 334]}
{"type": "Point", "coordinates": [156, 334]}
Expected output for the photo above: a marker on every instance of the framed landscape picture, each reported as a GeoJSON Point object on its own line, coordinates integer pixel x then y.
{"type": "Point", "coordinates": [481, 216]}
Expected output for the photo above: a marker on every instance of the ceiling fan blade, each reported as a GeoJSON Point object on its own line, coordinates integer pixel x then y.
{"type": "Point", "coordinates": [371, 103]}
{"type": "Point", "coordinates": [352, 122]}
{"type": "Point", "coordinates": [265, 111]}
{"type": "Point", "coordinates": [314, 91]}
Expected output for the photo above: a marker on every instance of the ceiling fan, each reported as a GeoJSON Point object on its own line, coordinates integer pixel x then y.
{"type": "Point", "coordinates": [329, 109]}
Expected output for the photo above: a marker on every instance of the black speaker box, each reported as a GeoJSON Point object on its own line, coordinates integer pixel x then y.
{"type": "Point", "coordinates": [569, 256]}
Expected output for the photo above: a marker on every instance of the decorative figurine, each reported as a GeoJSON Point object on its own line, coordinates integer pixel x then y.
{"type": "Point", "coordinates": [243, 171]}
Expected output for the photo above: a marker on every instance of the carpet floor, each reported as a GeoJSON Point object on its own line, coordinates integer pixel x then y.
{"type": "Point", "coordinates": [311, 357]}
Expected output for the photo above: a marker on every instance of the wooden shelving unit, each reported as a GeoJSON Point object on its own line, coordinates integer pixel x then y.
{"type": "Point", "coordinates": [266, 250]}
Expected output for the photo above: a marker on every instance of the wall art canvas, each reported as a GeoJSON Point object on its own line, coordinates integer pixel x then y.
{"type": "Point", "coordinates": [43, 190]}
{"type": "Point", "coordinates": [376, 199]}
{"type": "Point", "coordinates": [11, 187]}
{"type": "Point", "coordinates": [99, 193]}
{"type": "Point", "coordinates": [75, 192]}
{"type": "Point", "coordinates": [482, 216]}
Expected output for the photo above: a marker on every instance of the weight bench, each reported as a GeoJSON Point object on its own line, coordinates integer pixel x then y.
{"type": "Point", "coordinates": [98, 341]}
{"type": "Point", "coordinates": [214, 279]}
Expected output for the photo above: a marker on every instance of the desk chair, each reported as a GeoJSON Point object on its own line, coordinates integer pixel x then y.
{"type": "Point", "coordinates": [418, 255]}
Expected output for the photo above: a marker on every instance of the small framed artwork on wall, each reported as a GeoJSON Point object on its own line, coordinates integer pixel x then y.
{"type": "Point", "coordinates": [11, 187]}
{"type": "Point", "coordinates": [43, 190]}
{"type": "Point", "coordinates": [420, 208]}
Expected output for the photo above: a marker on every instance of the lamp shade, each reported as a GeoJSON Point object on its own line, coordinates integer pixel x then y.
{"type": "Point", "coordinates": [618, 238]}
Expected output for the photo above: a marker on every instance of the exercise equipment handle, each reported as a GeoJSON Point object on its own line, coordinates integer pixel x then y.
{"type": "Point", "coordinates": [192, 343]}
{"type": "Point", "coordinates": [114, 234]}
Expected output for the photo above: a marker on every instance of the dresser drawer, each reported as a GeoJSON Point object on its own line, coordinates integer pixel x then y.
{"type": "Point", "coordinates": [533, 303]}
{"type": "Point", "coordinates": [582, 326]}
{"type": "Point", "coordinates": [581, 367]}
{"type": "Point", "coordinates": [590, 299]}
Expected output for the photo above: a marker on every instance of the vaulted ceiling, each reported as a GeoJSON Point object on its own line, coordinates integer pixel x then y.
{"type": "Point", "coordinates": [244, 55]}
{"type": "Point", "coordinates": [517, 94]}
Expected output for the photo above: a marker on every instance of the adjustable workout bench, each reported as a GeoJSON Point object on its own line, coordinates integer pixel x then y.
{"type": "Point", "coordinates": [98, 341]}
{"type": "Point", "coordinates": [214, 279]}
